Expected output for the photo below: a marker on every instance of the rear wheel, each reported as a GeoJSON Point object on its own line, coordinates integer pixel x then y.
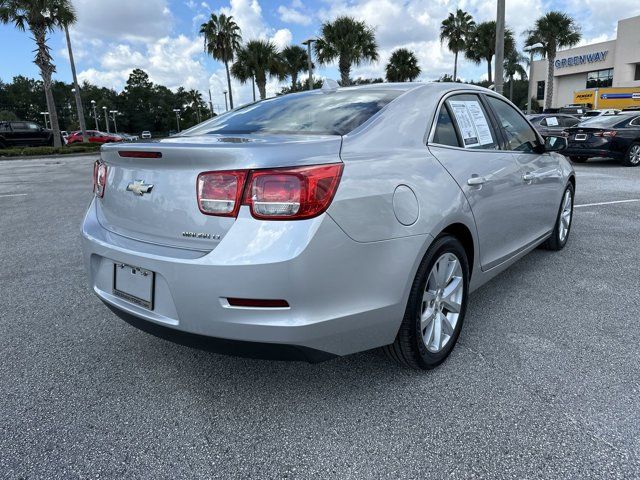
{"type": "Point", "coordinates": [575, 159]}
{"type": "Point", "coordinates": [560, 235]}
{"type": "Point", "coordinates": [436, 308]}
{"type": "Point", "coordinates": [632, 158]}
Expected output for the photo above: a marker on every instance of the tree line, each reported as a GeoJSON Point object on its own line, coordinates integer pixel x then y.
{"type": "Point", "coordinates": [142, 105]}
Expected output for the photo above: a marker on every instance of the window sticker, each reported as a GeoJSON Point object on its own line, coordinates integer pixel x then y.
{"type": "Point", "coordinates": [473, 125]}
{"type": "Point", "coordinates": [552, 121]}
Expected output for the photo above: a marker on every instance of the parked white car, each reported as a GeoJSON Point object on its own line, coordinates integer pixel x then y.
{"type": "Point", "coordinates": [146, 134]}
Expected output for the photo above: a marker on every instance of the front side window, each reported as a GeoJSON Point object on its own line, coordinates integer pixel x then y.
{"type": "Point", "coordinates": [315, 112]}
{"type": "Point", "coordinates": [550, 122]}
{"type": "Point", "coordinates": [520, 136]}
{"type": "Point", "coordinates": [473, 126]}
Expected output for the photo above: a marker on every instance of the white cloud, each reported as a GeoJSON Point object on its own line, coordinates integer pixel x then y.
{"type": "Point", "coordinates": [282, 38]}
{"type": "Point", "coordinates": [292, 15]}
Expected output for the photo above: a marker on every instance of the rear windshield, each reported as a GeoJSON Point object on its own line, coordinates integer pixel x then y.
{"type": "Point", "coordinates": [604, 121]}
{"type": "Point", "coordinates": [591, 114]}
{"type": "Point", "coordinates": [317, 112]}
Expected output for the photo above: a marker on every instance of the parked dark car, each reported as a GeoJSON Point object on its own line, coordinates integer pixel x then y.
{"type": "Point", "coordinates": [611, 136]}
{"type": "Point", "coordinates": [24, 134]}
{"type": "Point", "coordinates": [94, 137]}
{"type": "Point", "coordinates": [552, 124]}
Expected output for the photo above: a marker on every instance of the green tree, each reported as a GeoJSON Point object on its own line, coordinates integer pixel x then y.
{"type": "Point", "coordinates": [349, 41]}
{"type": "Point", "coordinates": [195, 102]}
{"type": "Point", "coordinates": [294, 61]}
{"type": "Point", "coordinates": [481, 45]}
{"type": "Point", "coordinates": [513, 66]}
{"type": "Point", "coordinates": [41, 17]}
{"type": "Point", "coordinates": [258, 59]}
{"type": "Point", "coordinates": [554, 30]}
{"type": "Point", "coordinates": [456, 30]}
{"type": "Point", "coordinates": [222, 38]}
{"type": "Point", "coordinates": [402, 66]}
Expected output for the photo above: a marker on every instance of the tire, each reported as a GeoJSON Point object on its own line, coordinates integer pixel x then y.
{"type": "Point", "coordinates": [575, 159]}
{"type": "Point", "coordinates": [410, 348]}
{"type": "Point", "coordinates": [559, 237]}
{"type": "Point", "coordinates": [632, 157]}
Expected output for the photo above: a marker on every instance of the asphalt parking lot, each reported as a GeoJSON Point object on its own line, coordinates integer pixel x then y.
{"type": "Point", "coordinates": [544, 383]}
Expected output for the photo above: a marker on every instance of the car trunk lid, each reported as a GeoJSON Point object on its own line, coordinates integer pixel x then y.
{"type": "Point", "coordinates": [154, 199]}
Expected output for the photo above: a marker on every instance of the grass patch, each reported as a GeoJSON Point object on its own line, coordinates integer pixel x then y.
{"type": "Point", "coordinates": [41, 151]}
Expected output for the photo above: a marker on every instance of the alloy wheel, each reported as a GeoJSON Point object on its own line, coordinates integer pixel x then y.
{"type": "Point", "coordinates": [565, 216]}
{"type": "Point", "coordinates": [442, 302]}
{"type": "Point", "coordinates": [634, 155]}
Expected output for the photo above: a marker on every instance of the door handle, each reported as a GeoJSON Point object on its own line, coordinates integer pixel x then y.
{"type": "Point", "coordinates": [529, 177]}
{"type": "Point", "coordinates": [476, 181]}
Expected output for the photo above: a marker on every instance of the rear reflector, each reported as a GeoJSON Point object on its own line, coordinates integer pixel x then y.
{"type": "Point", "coordinates": [253, 303]}
{"type": "Point", "coordinates": [219, 193]}
{"type": "Point", "coordinates": [134, 154]}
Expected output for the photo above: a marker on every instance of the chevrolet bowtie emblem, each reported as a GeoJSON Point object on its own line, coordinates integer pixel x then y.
{"type": "Point", "coordinates": [139, 187]}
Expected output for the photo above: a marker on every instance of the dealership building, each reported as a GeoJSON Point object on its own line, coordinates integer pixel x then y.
{"type": "Point", "coordinates": [598, 66]}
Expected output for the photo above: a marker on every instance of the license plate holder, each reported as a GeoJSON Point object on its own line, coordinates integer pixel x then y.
{"type": "Point", "coordinates": [134, 284]}
{"type": "Point", "coordinates": [580, 137]}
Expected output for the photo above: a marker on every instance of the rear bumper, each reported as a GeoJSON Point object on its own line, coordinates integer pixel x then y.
{"type": "Point", "coordinates": [592, 152]}
{"type": "Point", "coordinates": [344, 296]}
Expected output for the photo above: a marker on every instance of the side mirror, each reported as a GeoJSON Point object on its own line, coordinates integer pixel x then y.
{"type": "Point", "coordinates": [555, 144]}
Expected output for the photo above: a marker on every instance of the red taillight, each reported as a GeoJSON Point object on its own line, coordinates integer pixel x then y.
{"type": "Point", "coordinates": [277, 194]}
{"type": "Point", "coordinates": [292, 193]}
{"type": "Point", "coordinates": [607, 133]}
{"type": "Point", "coordinates": [99, 178]}
{"type": "Point", "coordinates": [220, 193]}
{"type": "Point", "coordinates": [134, 154]}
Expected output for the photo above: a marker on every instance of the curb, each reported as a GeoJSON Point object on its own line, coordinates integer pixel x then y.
{"type": "Point", "coordinates": [46, 157]}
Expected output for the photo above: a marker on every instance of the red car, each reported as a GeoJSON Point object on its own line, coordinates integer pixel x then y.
{"type": "Point", "coordinates": [94, 137]}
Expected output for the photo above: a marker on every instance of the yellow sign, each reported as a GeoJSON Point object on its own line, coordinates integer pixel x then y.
{"type": "Point", "coordinates": [614, 97]}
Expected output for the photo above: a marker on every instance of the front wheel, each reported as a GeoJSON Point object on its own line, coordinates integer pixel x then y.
{"type": "Point", "coordinates": [436, 308]}
{"type": "Point", "coordinates": [560, 235]}
{"type": "Point", "coordinates": [632, 158]}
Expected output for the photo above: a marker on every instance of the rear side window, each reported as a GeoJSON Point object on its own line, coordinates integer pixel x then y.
{"type": "Point", "coordinates": [445, 129]}
{"type": "Point", "coordinates": [635, 122]}
{"type": "Point", "coordinates": [550, 122]}
{"type": "Point", "coordinates": [472, 122]}
{"type": "Point", "coordinates": [519, 134]}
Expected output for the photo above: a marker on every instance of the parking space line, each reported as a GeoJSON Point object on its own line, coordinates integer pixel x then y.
{"type": "Point", "coordinates": [14, 195]}
{"type": "Point", "coordinates": [608, 203]}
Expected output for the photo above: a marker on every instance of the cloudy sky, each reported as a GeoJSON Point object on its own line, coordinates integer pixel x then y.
{"type": "Point", "coordinates": [161, 36]}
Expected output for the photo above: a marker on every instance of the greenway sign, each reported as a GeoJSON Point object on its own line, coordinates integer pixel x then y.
{"type": "Point", "coordinates": [582, 59]}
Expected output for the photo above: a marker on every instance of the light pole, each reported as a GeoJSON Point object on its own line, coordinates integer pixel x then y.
{"type": "Point", "coordinates": [177, 112]}
{"type": "Point", "coordinates": [115, 124]}
{"type": "Point", "coordinates": [95, 113]}
{"type": "Point", "coordinates": [106, 118]}
{"type": "Point", "coordinates": [226, 107]}
{"type": "Point", "coordinates": [530, 49]}
{"type": "Point", "coordinates": [44, 114]}
{"type": "Point", "coordinates": [211, 102]}
{"type": "Point", "coordinates": [308, 43]}
{"type": "Point", "coordinates": [499, 75]}
{"type": "Point", "coordinates": [76, 90]}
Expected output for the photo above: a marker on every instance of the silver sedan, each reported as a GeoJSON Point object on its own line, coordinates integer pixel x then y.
{"type": "Point", "coordinates": [325, 223]}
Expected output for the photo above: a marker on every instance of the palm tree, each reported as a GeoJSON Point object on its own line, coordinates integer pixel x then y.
{"type": "Point", "coordinates": [222, 38]}
{"type": "Point", "coordinates": [402, 66]}
{"type": "Point", "coordinates": [41, 17]}
{"type": "Point", "coordinates": [349, 41]}
{"type": "Point", "coordinates": [194, 97]}
{"type": "Point", "coordinates": [481, 44]}
{"type": "Point", "coordinates": [294, 61]}
{"type": "Point", "coordinates": [554, 30]}
{"type": "Point", "coordinates": [258, 59]}
{"type": "Point", "coordinates": [456, 30]}
{"type": "Point", "coordinates": [513, 61]}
